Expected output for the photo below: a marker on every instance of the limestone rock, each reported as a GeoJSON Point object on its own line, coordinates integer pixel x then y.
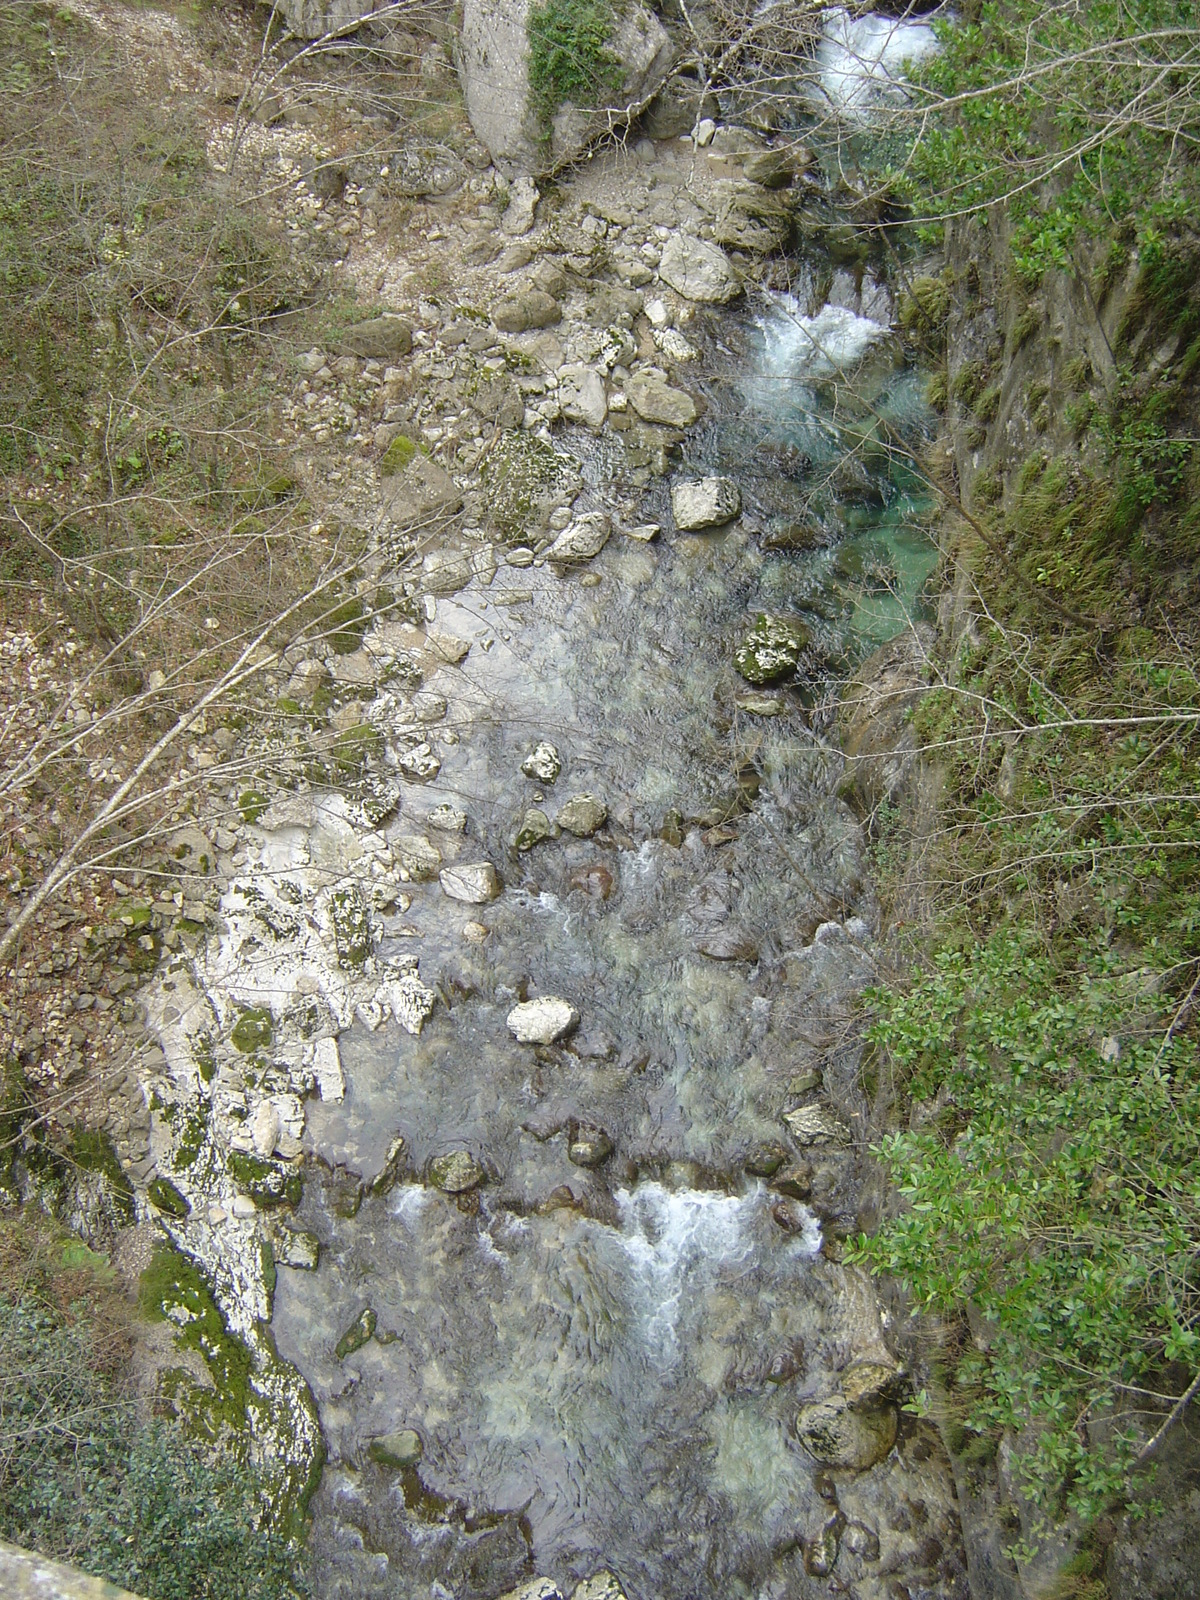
{"type": "Point", "coordinates": [421, 859]}
{"type": "Point", "coordinates": [535, 827]}
{"type": "Point", "coordinates": [447, 818]}
{"type": "Point", "coordinates": [752, 218]}
{"type": "Point", "coordinates": [421, 493]}
{"type": "Point", "coordinates": [581, 396]}
{"type": "Point", "coordinates": [456, 1172]}
{"type": "Point", "coordinates": [698, 270]}
{"type": "Point", "coordinates": [771, 650]}
{"type": "Point", "coordinates": [535, 1589]}
{"type": "Point", "coordinates": [299, 1249]}
{"type": "Point", "coordinates": [519, 213]}
{"type": "Point", "coordinates": [705, 503]}
{"type": "Point", "coordinates": [655, 400]}
{"type": "Point", "coordinates": [582, 538]}
{"type": "Point", "coordinates": [542, 1021]}
{"type": "Point", "coordinates": [600, 1586]}
{"type": "Point", "coordinates": [675, 110]}
{"type": "Point", "coordinates": [838, 1436]}
{"type": "Point", "coordinates": [588, 1146]}
{"type": "Point", "coordinates": [542, 763]}
{"type": "Point", "coordinates": [264, 1129]}
{"type": "Point", "coordinates": [815, 1124]}
{"type": "Point", "coordinates": [881, 749]}
{"type": "Point", "coordinates": [327, 1070]}
{"type": "Point", "coordinates": [760, 705]}
{"type": "Point", "coordinates": [380, 338]}
{"type": "Point", "coordinates": [494, 67]}
{"type": "Point", "coordinates": [531, 308]}
{"type": "Point", "coordinates": [772, 169]}
{"type": "Point", "coordinates": [475, 882]}
{"type": "Point", "coordinates": [582, 815]}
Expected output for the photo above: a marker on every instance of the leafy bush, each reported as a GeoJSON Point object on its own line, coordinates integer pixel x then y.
{"type": "Point", "coordinates": [569, 58]}
{"type": "Point", "coordinates": [83, 1476]}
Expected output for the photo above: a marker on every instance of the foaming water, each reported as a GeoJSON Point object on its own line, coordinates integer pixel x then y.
{"type": "Point", "coordinates": [835, 339]}
{"type": "Point", "coordinates": [861, 59]}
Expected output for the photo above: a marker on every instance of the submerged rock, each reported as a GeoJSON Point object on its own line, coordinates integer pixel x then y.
{"type": "Point", "coordinates": [356, 1335]}
{"type": "Point", "coordinates": [542, 1021]}
{"type": "Point", "coordinates": [475, 882]}
{"type": "Point", "coordinates": [705, 503]}
{"type": "Point", "coordinates": [582, 538]}
{"type": "Point", "coordinates": [456, 1172]}
{"type": "Point", "coordinates": [581, 396]}
{"type": "Point", "coordinates": [600, 1586]}
{"type": "Point", "coordinates": [839, 1436]}
{"type": "Point", "coordinates": [655, 400]}
{"type": "Point", "coordinates": [582, 815]}
{"type": "Point", "coordinates": [543, 763]}
{"type": "Point", "coordinates": [698, 270]}
{"type": "Point", "coordinates": [771, 650]}
{"type": "Point", "coordinates": [534, 829]}
{"type": "Point", "coordinates": [421, 859]}
{"type": "Point", "coordinates": [588, 1146]}
{"type": "Point", "coordinates": [400, 1450]}
{"type": "Point", "coordinates": [815, 1124]}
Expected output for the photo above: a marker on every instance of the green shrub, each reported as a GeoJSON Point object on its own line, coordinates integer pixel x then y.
{"type": "Point", "coordinates": [569, 57]}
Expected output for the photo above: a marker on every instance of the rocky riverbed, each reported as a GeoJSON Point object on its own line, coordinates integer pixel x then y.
{"type": "Point", "coordinates": [510, 1105]}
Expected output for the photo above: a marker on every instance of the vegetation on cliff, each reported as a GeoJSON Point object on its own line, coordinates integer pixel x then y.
{"type": "Point", "coordinates": [1050, 1167]}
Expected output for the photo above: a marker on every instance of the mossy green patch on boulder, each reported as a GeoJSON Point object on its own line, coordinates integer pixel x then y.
{"type": "Point", "coordinates": [173, 1289]}
{"type": "Point", "coordinates": [251, 1030]}
{"type": "Point", "coordinates": [344, 626]}
{"type": "Point", "coordinates": [163, 1193]}
{"type": "Point", "coordinates": [356, 1335]}
{"type": "Point", "coordinates": [772, 648]}
{"type": "Point", "coordinates": [252, 803]}
{"type": "Point", "coordinates": [521, 476]}
{"type": "Point", "coordinates": [268, 1183]}
{"type": "Point", "coordinates": [352, 747]}
{"type": "Point", "coordinates": [397, 455]}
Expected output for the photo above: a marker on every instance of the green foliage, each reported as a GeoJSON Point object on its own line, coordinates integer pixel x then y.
{"type": "Point", "coordinates": [1084, 118]}
{"type": "Point", "coordinates": [83, 1477]}
{"type": "Point", "coordinates": [569, 57]}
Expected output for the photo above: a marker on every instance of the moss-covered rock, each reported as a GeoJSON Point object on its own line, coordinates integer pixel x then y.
{"type": "Point", "coordinates": [356, 1335]}
{"type": "Point", "coordinates": [163, 1194]}
{"type": "Point", "coordinates": [772, 648]}
{"type": "Point", "coordinates": [252, 1030]}
{"type": "Point", "coordinates": [268, 1183]}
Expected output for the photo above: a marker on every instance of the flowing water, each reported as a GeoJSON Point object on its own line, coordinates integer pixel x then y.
{"type": "Point", "coordinates": [604, 1364]}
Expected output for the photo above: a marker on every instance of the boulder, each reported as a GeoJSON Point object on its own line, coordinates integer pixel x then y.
{"type": "Point", "coordinates": [456, 1172]}
{"type": "Point", "coordinates": [543, 762]}
{"type": "Point", "coordinates": [519, 213]}
{"type": "Point", "coordinates": [494, 64]}
{"type": "Point", "coordinates": [751, 218]}
{"type": "Point", "coordinates": [312, 19]}
{"type": "Point", "coordinates": [698, 270]}
{"type": "Point", "coordinates": [705, 503]}
{"type": "Point", "coordinates": [542, 1021]}
{"type": "Point", "coordinates": [530, 308]}
{"type": "Point", "coordinates": [877, 736]}
{"type": "Point", "coordinates": [582, 815]}
{"type": "Point", "coordinates": [474, 882]}
{"type": "Point", "coordinates": [420, 858]}
{"type": "Point", "coordinates": [600, 1586]}
{"type": "Point", "coordinates": [771, 650]}
{"type": "Point", "coordinates": [840, 1436]}
{"type": "Point", "coordinates": [584, 537]}
{"type": "Point", "coordinates": [379, 338]}
{"type": "Point", "coordinates": [655, 400]}
{"type": "Point", "coordinates": [772, 169]}
{"type": "Point", "coordinates": [581, 396]}
{"type": "Point", "coordinates": [422, 492]}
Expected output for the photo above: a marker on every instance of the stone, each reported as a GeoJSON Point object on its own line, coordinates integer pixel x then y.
{"type": "Point", "coordinates": [529, 309]}
{"type": "Point", "coordinates": [873, 719]}
{"type": "Point", "coordinates": [655, 400]}
{"type": "Point", "coordinates": [356, 1335]}
{"type": "Point", "coordinates": [643, 532]}
{"type": "Point", "coordinates": [535, 827]}
{"type": "Point", "coordinates": [447, 818]}
{"type": "Point", "coordinates": [728, 943]}
{"type": "Point", "coordinates": [838, 1436]}
{"type": "Point", "coordinates": [821, 1553]}
{"type": "Point", "coordinates": [264, 1128]}
{"type": "Point", "coordinates": [815, 1124]}
{"type": "Point", "coordinates": [698, 270]}
{"type": "Point", "coordinates": [543, 762]}
{"type": "Point", "coordinates": [542, 1021]}
{"type": "Point", "coordinates": [419, 857]}
{"type": "Point", "coordinates": [399, 1450]}
{"type": "Point", "coordinates": [378, 338]}
{"type": "Point", "coordinates": [521, 209]}
{"type": "Point", "coordinates": [327, 1070]}
{"type": "Point", "coordinates": [422, 492]}
{"type": "Point", "coordinates": [704, 131]}
{"type": "Point", "coordinates": [760, 705]}
{"type": "Point", "coordinates": [456, 1172]}
{"type": "Point", "coordinates": [299, 1249]}
{"type": "Point", "coordinates": [772, 169]}
{"type": "Point", "coordinates": [752, 218]}
{"type": "Point", "coordinates": [705, 503]}
{"type": "Point", "coordinates": [493, 63]}
{"type": "Point", "coordinates": [584, 537]}
{"type": "Point", "coordinates": [794, 1180]}
{"type": "Point", "coordinates": [866, 1382]}
{"type": "Point", "coordinates": [772, 648]}
{"type": "Point", "coordinates": [475, 882]}
{"type": "Point", "coordinates": [535, 1589]}
{"type": "Point", "coordinates": [601, 1585]}
{"type": "Point", "coordinates": [581, 396]}
{"type": "Point", "coordinates": [582, 815]}
{"type": "Point", "coordinates": [588, 1146]}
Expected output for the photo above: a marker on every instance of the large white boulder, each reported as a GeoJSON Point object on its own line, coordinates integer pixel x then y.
{"type": "Point", "coordinates": [698, 270]}
{"type": "Point", "coordinates": [705, 502]}
{"type": "Point", "coordinates": [493, 62]}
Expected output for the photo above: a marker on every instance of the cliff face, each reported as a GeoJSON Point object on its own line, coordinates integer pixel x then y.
{"type": "Point", "coordinates": [1082, 383]}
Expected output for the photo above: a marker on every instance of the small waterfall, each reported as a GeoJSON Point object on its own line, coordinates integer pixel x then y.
{"type": "Point", "coordinates": [860, 59]}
